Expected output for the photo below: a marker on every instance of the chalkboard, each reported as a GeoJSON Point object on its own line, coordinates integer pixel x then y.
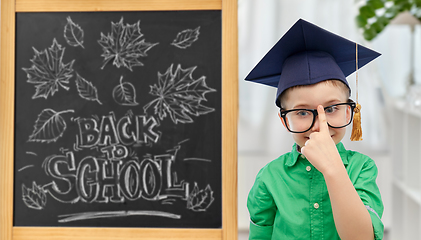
{"type": "Point", "coordinates": [118, 119]}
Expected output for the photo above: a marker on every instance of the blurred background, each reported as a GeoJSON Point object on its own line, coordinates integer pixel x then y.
{"type": "Point", "coordinates": [389, 92]}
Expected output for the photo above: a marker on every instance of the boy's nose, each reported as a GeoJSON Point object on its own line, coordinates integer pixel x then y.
{"type": "Point", "coordinates": [316, 125]}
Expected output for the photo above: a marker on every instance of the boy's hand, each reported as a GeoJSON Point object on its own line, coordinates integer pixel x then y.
{"type": "Point", "coordinates": [352, 219]}
{"type": "Point", "coordinates": [320, 149]}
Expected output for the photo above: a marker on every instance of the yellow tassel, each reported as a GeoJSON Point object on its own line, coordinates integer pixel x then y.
{"type": "Point", "coordinates": [357, 132]}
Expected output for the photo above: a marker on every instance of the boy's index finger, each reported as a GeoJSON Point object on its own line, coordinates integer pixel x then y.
{"type": "Point", "coordinates": [322, 119]}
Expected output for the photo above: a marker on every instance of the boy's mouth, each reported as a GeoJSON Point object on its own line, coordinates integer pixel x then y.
{"type": "Point", "coordinates": [307, 138]}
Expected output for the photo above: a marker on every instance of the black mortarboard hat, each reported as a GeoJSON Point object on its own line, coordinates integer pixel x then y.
{"type": "Point", "coordinates": [308, 54]}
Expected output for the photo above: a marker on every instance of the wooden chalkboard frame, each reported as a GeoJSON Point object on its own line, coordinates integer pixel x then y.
{"type": "Point", "coordinates": [9, 8]}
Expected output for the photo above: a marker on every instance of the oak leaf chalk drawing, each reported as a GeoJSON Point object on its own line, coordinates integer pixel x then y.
{"type": "Point", "coordinates": [200, 200]}
{"type": "Point", "coordinates": [73, 33]}
{"type": "Point", "coordinates": [86, 89]}
{"type": "Point", "coordinates": [124, 45]}
{"type": "Point", "coordinates": [34, 197]}
{"type": "Point", "coordinates": [49, 126]}
{"type": "Point", "coordinates": [48, 71]}
{"type": "Point", "coordinates": [179, 95]}
{"type": "Point", "coordinates": [125, 94]}
{"type": "Point", "coordinates": [186, 38]}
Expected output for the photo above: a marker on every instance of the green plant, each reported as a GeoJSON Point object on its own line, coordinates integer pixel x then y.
{"type": "Point", "coordinates": [375, 15]}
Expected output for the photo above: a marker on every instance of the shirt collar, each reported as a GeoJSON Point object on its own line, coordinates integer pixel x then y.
{"type": "Point", "coordinates": [295, 155]}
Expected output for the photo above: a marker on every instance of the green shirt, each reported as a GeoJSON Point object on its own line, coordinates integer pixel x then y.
{"type": "Point", "coordinates": [289, 199]}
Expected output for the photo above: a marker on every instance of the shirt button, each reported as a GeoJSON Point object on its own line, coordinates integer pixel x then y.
{"type": "Point", "coordinates": [316, 205]}
{"type": "Point", "coordinates": [308, 168]}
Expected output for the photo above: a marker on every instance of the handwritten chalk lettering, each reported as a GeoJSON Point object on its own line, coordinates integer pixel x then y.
{"type": "Point", "coordinates": [127, 135]}
{"type": "Point", "coordinates": [173, 187]}
{"type": "Point", "coordinates": [65, 190]}
{"type": "Point", "coordinates": [108, 181]}
{"type": "Point", "coordinates": [115, 152]}
{"type": "Point", "coordinates": [131, 176]}
{"type": "Point", "coordinates": [151, 179]}
{"type": "Point", "coordinates": [87, 185]}
{"type": "Point", "coordinates": [145, 132]}
{"type": "Point", "coordinates": [107, 131]}
{"type": "Point", "coordinates": [88, 132]}
{"type": "Point", "coordinates": [113, 180]}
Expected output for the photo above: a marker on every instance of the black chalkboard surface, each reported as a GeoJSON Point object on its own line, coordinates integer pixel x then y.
{"type": "Point", "coordinates": [118, 119]}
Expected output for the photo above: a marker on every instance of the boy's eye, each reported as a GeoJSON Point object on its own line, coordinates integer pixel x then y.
{"type": "Point", "coordinates": [331, 109]}
{"type": "Point", "coordinates": [302, 113]}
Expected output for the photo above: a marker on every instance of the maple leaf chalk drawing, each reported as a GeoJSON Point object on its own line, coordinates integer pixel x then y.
{"type": "Point", "coordinates": [125, 94]}
{"type": "Point", "coordinates": [186, 38]}
{"type": "Point", "coordinates": [73, 33]}
{"type": "Point", "coordinates": [179, 95]}
{"type": "Point", "coordinates": [34, 197]}
{"type": "Point", "coordinates": [49, 126]}
{"type": "Point", "coordinates": [86, 89]}
{"type": "Point", "coordinates": [48, 71]}
{"type": "Point", "coordinates": [124, 45]}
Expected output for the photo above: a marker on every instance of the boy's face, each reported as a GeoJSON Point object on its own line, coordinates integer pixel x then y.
{"type": "Point", "coordinates": [311, 96]}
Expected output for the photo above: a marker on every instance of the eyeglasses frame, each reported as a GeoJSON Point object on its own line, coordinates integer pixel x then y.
{"type": "Point", "coordinates": [283, 113]}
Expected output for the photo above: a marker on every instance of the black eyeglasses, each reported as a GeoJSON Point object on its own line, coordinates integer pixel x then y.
{"type": "Point", "coordinates": [301, 120]}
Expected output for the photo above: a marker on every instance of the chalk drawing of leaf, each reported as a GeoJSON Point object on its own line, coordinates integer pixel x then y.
{"type": "Point", "coordinates": [34, 198]}
{"type": "Point", "coordinates": [86, 89]}
{"type": "Point", "coordinates": [200, 200]}
{"type": "Point", "coordinates": [179, 95]}
{"type": "Point", "coordinates": [186, 38]}
{"type": "Point", "coordinates": [48, 71]}
{"type": "Point", "coordinates": [125, 94]}
{"type": "Point", "coordinates": [49, 126]}
{"type": "Point", "coordinates": [124, 45]}
{"type": "Point", "coordinates": [73, 33]}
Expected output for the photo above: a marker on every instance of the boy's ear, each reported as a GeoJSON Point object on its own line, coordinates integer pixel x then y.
{"type": "Point", "coordinates": [282, 120]}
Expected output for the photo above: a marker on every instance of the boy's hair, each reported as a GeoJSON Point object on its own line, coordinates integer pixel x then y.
{"type": "Point", "coordinates": [333, 82]}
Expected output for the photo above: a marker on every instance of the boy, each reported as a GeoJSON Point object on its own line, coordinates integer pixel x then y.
{"type": "Point", "coordinates": [319, 190]}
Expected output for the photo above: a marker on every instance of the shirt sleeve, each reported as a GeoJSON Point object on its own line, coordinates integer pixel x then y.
{"type": "Point", "coordinates": [370, 195]}
{"type": "Point", "coordinates": [262, 210]}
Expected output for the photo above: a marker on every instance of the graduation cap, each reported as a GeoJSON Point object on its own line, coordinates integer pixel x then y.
{"type": "Point", "coordinates": [308, 54]}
